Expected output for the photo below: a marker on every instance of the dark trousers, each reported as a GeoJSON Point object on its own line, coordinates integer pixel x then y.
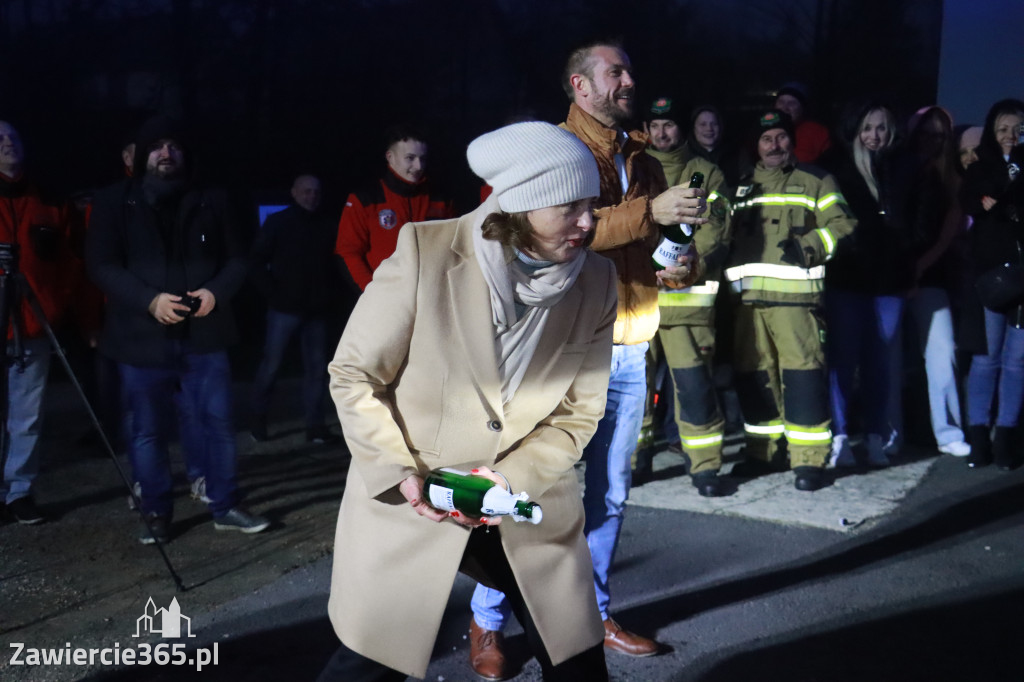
{"type": "Point", "coordinates": [204, 381]}
{"type": "Point", "coordinates": [486, 553]}
{"type": "Point", "coordinates": [313, 338]}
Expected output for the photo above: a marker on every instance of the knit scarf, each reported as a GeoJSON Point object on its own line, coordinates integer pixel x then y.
{"type": "Point", "coordinates": [516, 338]}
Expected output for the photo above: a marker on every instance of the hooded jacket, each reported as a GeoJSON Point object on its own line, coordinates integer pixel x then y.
{"type": "Point", "coordinates": [138, 247]}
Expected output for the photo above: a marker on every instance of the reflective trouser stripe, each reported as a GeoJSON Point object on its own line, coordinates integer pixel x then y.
{"type": "Point", "coordinates": [697, 443]}
{"type": "Point", "coordinates": [771, 430]}
{"type": "Point", "coordinates": [799, 436]}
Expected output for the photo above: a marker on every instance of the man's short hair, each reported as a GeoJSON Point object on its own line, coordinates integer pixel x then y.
{"type": "Point", "coordinates": [404, 131]}
{"type": "Point", "coordinates": [579, 62]}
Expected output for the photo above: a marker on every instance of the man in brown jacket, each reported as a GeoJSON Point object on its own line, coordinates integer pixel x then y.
{"type": "Point", "coordinates": [635, 201]}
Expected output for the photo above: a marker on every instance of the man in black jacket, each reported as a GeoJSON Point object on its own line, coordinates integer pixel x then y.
{"type": "Point", "coordinates": [293, 266]}
{"type": "Point", "coordinates": [167, 255]}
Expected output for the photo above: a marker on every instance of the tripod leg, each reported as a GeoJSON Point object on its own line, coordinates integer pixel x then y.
{"type": "Point", "coordinates": [26, 289]}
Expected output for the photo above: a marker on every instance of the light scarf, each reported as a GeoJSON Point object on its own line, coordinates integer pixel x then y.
{"type": "Point", "coordinates": [516, 339]}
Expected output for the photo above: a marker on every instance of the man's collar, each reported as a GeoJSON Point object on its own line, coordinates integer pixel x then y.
{"type": "Point", "coordinates": [401, 186]}
{"type": "Point", "coordinates": [597, 135]}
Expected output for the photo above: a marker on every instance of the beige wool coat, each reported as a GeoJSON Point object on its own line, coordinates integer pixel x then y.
{"type": "Point", "coordinates": [415, 381]}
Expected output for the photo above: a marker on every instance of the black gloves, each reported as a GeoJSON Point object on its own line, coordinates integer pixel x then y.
{"type": "Point", "coordinates": [794, 254]}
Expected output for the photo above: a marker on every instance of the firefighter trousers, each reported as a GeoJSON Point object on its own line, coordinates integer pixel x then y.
{"type": "Point", "coordinates": [689, 351]}
{"type": "Point", "coordinates": [782, 382]}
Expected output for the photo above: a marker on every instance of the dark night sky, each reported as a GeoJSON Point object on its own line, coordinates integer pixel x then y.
{"type": "Point", "coordinates": [276, 86]}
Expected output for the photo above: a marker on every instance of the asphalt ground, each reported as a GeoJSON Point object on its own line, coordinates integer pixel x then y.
{"type": "Point", "coordinates": [924, 580]}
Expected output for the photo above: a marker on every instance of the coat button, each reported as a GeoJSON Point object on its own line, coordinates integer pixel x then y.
{"type": "Point", "coordinates": [494, 425]}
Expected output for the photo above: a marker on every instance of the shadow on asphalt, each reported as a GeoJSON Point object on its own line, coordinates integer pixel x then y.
{"type": "Point", "coordinates": [974, 635]}
{"type": "Point", "coordinates": [979, 639]}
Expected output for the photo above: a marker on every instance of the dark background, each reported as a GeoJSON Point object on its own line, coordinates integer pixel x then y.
{"type": "Point", "coordinates": [275, 87]}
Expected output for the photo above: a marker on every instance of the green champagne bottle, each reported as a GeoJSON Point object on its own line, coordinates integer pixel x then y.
{"type": "Point", "coordinates": [675, 238]}
{"type": "Point", "coordinates": [450, 489]}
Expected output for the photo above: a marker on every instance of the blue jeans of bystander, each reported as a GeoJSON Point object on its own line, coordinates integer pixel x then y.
{"type": "Point", "coordinates": [204, 380]}
{"type": "Point", "coordinates": [26, 386]}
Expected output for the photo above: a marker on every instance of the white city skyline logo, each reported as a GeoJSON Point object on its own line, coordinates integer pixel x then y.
{"type": "Point", "coordinates": [164, 622]}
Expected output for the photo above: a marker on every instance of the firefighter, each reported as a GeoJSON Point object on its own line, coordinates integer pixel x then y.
{"type": "Point", "coordinates": [788, 219]}
{"type": "Point", "coordinates": [687, 330]}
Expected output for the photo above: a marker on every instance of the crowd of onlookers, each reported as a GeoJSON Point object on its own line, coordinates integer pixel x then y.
{"type": "Point", "coordinates": [812, 250]}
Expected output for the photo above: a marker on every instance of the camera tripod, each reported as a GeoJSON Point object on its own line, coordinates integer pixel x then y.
{"type": "Point", "coordinates": [14, 288]}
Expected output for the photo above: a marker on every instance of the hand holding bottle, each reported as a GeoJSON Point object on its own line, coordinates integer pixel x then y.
{"type": "Point", "coordinates": [478, 494]}
{"type": "Point", "coordinates": [679, 205]}
{"type": "Point", "coordinates": [412, 488]}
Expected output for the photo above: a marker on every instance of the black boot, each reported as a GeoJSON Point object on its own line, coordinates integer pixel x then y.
{"type": "Point", "coordinates": [981, 447]}
{"type": "Point", "coordinates": [1003, 451]}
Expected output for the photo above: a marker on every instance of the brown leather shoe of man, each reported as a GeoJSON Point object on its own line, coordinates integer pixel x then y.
{"type": "Point", "coordinates": [619, 639]}
{"type": "Point", "coordinates": [485, 654]}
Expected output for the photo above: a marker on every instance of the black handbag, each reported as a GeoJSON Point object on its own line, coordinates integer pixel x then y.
{"type": "Point", "coordinates": [1001, 287]}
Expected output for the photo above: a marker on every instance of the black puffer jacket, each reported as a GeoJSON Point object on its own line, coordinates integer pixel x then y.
{"type": "Point", "coordinates": [136, 250]}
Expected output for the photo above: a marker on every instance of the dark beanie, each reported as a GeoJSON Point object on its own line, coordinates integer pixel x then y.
{"type": "Point", "coordinates": [665, 108]}
{"type": "Point", "coordinates": [774, 118]}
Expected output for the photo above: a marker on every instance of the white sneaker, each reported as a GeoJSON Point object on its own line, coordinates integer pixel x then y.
{"type": "Point", "coordinates": [892, 446]}
{"type": "Point", "coordinates": [876, 451]}
{"type": "Point", "coordinates": [842, 455]}
{"type": "Point", "coordinates": [137, 488]}
{"type": "Point", "coordinates": [957, 448]}
{"type": "Point", "coordinates": [198, 490]}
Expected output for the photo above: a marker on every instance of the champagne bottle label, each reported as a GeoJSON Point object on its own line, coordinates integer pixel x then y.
{"type": "Point", "coordinates": [450, 489]}
{"type": "Point", "coordinates": [675, 238]}
{"type": "Point", "coordinates": [669, 251]}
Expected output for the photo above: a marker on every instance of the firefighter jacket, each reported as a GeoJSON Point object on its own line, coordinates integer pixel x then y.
{"type": "Point", "coordinates": [368, 230]}
{"type": "Point", "coordinates": [40, 232]}
{"type": "Point", "coordinates": [695, 304]}
{"type": "Point", "coordinates": [787, 222]}
{"type": "Point", "coordinates": [625, 231]}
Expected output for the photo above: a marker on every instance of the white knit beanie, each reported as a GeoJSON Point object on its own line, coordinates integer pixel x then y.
{"type": "Point", "coordinates": [534, 165]}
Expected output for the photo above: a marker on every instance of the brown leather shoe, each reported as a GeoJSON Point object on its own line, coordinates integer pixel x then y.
{"type": "Point", "coordinates": [485, 654]}
{"type": "Point", "coordinates": [619, 639]}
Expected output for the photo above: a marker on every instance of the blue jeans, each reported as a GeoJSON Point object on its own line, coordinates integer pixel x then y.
{"type": "Point", "coordinates": [608, 474]}
{"type": "Point", "coordinates": [607, 479]}
{"type": "Point", "coordinates": [862, 333]}
{"type": "Point", "coordinates": [313, 339]}
{"type": "Point", "coordinates": [1002, 367]}
{"type": "Point", "coordinates": [933, 319]}
{"type": "Point", "coordinates": [204, 380]}
{"type": "Point", "coordinates": [26, 387]}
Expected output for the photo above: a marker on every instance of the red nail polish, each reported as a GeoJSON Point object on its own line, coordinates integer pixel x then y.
{"type": "Point", "coordinates": [474, 471]}
{"type": "Point", "coordinates": [456, 514]}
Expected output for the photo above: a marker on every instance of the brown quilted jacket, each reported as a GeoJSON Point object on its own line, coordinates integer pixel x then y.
{"type": "Point", "coordinates": [625, 231]}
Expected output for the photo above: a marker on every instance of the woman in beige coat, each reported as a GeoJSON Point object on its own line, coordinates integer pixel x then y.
{"type": "Point", "coordinates": [483, 343]}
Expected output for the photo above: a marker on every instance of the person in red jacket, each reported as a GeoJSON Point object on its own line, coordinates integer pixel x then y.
{"type": "Point", "coordinates": [36, 234]}
{"type": "Point", "coordinates": [812, 138]}
{"type": "Point", "coordinates": [368, 230]}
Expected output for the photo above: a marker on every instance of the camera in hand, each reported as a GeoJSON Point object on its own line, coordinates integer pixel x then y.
{"type": "Point", "coordinates": [193, 303]}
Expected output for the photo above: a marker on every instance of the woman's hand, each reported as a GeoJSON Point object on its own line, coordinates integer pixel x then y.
{"type": "Point", "coordinates": [412, 490]}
